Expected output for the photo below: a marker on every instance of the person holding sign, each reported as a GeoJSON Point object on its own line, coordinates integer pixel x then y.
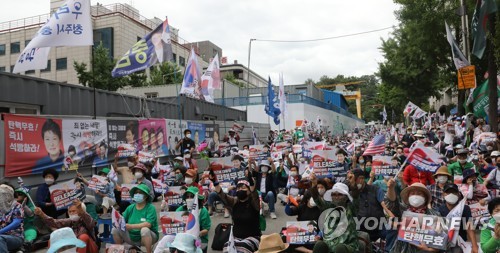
{"type": "Point", "coordinates": [265, 182]}
{"type": "Point", "coordinates": [245, 209]}
{"type": "Point", "coordinates": [42, 199]}
{"type": "Point", "coordinates": [205, 222]}
{"type": "Point", "coordinates": [417, 199]}
{"type": "Point", "coordinates": [79, 221]}
{"type": "Point", "coordinates": [490, 236]}
{"type": "Point", "coordinates": [141, 227]}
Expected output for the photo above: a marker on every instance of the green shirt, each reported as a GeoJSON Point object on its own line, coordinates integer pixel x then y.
{"type": "Point", "coordinates": [457, 169]}
{"type": "Point", "coordinates": [134, 216]}
{"type": "Point", "coordinates": [488, 243]}
{"type": "Point", "coordinates": [205, 222]}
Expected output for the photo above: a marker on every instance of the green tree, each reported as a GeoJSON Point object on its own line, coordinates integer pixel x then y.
{"type": "Point", "coordinates": [165, 73]}
{"type": "Point", "coordinates": [99, 76]}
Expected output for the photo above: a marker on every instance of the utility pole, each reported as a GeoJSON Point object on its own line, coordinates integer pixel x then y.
{"type": "Point", "coordinates": [492, 77]}
{"type": "Point", "coordinates": [462, 94]}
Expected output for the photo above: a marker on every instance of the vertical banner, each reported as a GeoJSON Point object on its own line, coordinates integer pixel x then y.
{"type": "Point", "coordinates": [175, 134]}
{"type": "Point", "coordinates": [32, 145]}
{"type": "Point", "coordinates": [197, 131]}
{"type": "Point", "coordinates": [89, 138]}
{"type": "Point", "coordinates": [122, 136]}
{"type": "Point", "coordinates": [152, 136]}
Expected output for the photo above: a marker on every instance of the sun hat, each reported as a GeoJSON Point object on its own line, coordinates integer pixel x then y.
{"type": "Point", "coordinates": [469, 173]}
{"type": "Point", "coordinates": [105, 171]}
{"type": "Point", "coordinates": [191, 173]}
{"type": "Point", "coordinates": [265, 163]}
{"type": "Point", "coordinates": [178, 158]}
{"type": "Point", "coordinates": [193, 190]}
{"type": "Point", "coordinates": [443, 170]}
{"type": "Point", "coordinates": [495, 154]}
{"type": "Point", "coordinates": [186, 242]}
{"type": "Point", "coordinates": [419, 187]}
{"type": "Point", "coordinates": [271, 244]}
{"type": "Point", "coordinates": [64, 237]}
{"type": "Point", "coordinates": [463, 151]}
{"type": "Point", "coordinates": [141, 187]}
{"type": "Point", "coordinates": [337, 188]}
{"type": "Point", "coordinates": [140, 166]}
{"type": "Point", "coordinates": [420, 133]}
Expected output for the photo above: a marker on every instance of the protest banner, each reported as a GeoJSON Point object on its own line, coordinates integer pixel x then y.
{"type": "Point", "coordinates": [224, 170]}
{"type": "Point", "coordinates": [175, 134]}
{"type": "Point", "coordinates": [276, 155]}
{"type": "Point", "coordinates": [172, 223]}
{"type": "Point", "coordinates": [97, 183]}
{"type": "Point", "coordinates": [117, 220]}
{"type": "Point", "coordinates": [479, 213]}
{"type": "Point", "coordinates": [145, 157]}
{"type": "Point", "coordinates": [424, 159]}
{"type": "Point", "coordinates": [325, 165]}
{"type": "Point", "coordinates": [174, 196]}
{"type": "Point", "coordinates": [282, 146]}
{"type": "Point", "coordinates": [159, 186]}
{"type": "Point", "coordinates": [419, 228]}
{"type": "Point", "coordinates": [485, 138]}
{"type": "Point", "coordinates": [301, 232]}
{"type": "Point", "coordinates": [152, 137]}
{"type": "Point", "coordinates": [89, 139]}
{"type": "Point", "coordinates": [259, 152]}
{"type": "Point", "coordinates": [198, 132]}
{"type": "Point", "coordinates": [315, 145]}
{"type": "Point", "coordinates": [122, 137]}
{"type": "Point", "coordinates": [382, 165]}
{"type": "Point", "coordinates": [125, 191]}
{"type": "Point", "coordinates": [62, 194]}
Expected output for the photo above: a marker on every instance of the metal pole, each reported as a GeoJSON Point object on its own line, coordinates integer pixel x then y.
{"type": "Point", "coordinates": [93, 82]}
{"type": "Point", "coordinates": [248, 74]}
{"type": "Point", "coordinates": [224, 102]}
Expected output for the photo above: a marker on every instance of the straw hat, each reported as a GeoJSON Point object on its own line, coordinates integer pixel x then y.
{"type": "Point", "coordinates": [418, 187]}
{"type": "Point", "coordinates": [443, 170]}
{"type": "Point", "coordinates": [271, 244]}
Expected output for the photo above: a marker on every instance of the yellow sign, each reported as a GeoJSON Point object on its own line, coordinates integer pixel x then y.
{"type": "Point", "coordinates": [467, 77]}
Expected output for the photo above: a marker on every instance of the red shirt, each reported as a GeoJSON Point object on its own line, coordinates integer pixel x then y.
{"type": "Point", "coordinates": [412, 175]}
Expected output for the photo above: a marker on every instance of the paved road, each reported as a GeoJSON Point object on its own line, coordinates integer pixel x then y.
{"type": "Point", "coordinates": [273, 226]}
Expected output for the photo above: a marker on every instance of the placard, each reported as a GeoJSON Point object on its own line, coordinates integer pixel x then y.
{"type": "Point", "coordinates": [301, 232]}
{"type": "Point", "coordinates": [428, 229]}
{"type": "Point", "coordinates": [382, 165]}
{"type": "Point", "coordinates": [172, 223]}
{"type": "Point", "coordinates": [98, 183]}
{"type": "Point", "coordinates": [174, 196]}
{"type": "Point", "coordinates": [62, 194]}
{"type": "Point", "coordinates": [125, 192]}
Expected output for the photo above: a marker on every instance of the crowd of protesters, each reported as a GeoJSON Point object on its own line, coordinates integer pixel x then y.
{"type": "Point", "coordinates": [468, 173]}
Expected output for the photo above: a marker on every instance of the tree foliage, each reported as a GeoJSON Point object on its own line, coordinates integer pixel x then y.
{"type": "Point", "coordinates": [165, 73]}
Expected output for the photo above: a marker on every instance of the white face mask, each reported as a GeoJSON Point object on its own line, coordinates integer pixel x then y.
{"type": "Point", "coordinates": [451, 199]}
{"type": "Point", "coordinates": [72, 250]}
{"type": "Point", "coordinates": [311, 202]}
{"type": "Point", "coordinates": [442, 179]}
{"type": "Point", "coordinates": [188, 135]}
{"type": "Point", "coordinates": [293, 173]}
{"type": "Point", "coordinates": [497, 218]}
{"type": "Point", "coordinates": [138, 175]}
{"type": "Point", "coordinates": [74, 217]}
{"type": "Point", "coordinates": [187, 156]}
{"type": "Point", "coordinates": [188, 180]}
{"type": "Point", "coordinates": [49, 181]}
{"type": "Point", "coordinates": [416, 200]}
{"type": "Point", "coordinates": [321, 192]}
{"type": "Point", "coordinates": [189, 203]}
{"type": "Point", "coordinates": [264, 169]}
{"type": "Point", "coordinates": [359, 186]}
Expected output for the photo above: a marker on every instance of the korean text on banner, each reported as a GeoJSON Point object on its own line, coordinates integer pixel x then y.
{"type": "Point", "coordinates": [421, 228]}
{"type": "Point", "coordinates": [174, 196]}
{"type": "Point", "coordinates": [467, 77]}
{"type": "Point", "coordinates": [301, 232]}
{"type": "Point", "coordinates": [382, 165]}
{"type": "Point", "coordinates": [173, 222]}
{"type": "Point", "coordinates": [224, 170]}
{"type": "Point", "coordinates": [125, 191]}
{"type": "Point", "coordinates": [63, 194]}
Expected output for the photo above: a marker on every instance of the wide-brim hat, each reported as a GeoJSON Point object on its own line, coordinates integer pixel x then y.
{"type": "Point", "coordinates": [419, 187]}
{"type": "Point", "coordinates": [468, 173]}
{"type": "Point", "coordinates": [64, 237]}
{"type": "Point", "coordinates": [443, 170]}
{"type": "Point", "coordinates": [193, 190]}
{"type": "Point", "coordinates": [140, 166]}
{"type": "Point", "coordinates": [271, 244]}
{"type": "Point", "coordinates": [463, 151]}
{"type": "Point", "coordinates": [191, 173]}
{"type": "Point", "coordinates": [185, 242]}
{"type": "Point", "coordinates": [337, 188]}
{"type": "Point", "coordinates": [140, 187]}
{"type": "Point", "coordinates": [495, 154]}
{"type": "Point", "coordinates": [420, 133]}
{"type": "Point", "coordinates": [264, 163]}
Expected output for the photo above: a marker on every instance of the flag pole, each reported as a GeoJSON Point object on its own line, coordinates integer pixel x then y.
{"type": "Point", "coordinates": [224, 103]}
{"type": "Point", "coordinates": [248, 74]}
{"type": "Point", "coordinates": [93, 81]}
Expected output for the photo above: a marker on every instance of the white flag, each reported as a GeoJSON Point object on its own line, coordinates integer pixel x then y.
{"type": "Point", "coordinates": [210, 80]}
{"type": "Point", "coordinates": [231, 247]}
{"type": "Point", "coordinates": [193, 225]}
{"type": "Point", "coordinates": [384, 115]}
{"type": "Point", "coordinates": [112, 175]}
{"type": "Point", "coordinates": [410, 107]}
{"type": "Point", "coordinates": [70, 25]}
{"type": "Point", "coordinates": [455, 214]}
{"type": "Point", "coordinates": [282, 96]}
{"type": "Point", "coordinates": [419, 113]}
{"type": "Point", "coordinates": [117, 220]}
{"type": "Point", "coordinates": [458, 57]}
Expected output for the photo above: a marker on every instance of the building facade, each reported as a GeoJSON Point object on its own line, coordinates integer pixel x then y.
{"type": "Point", "coordinates": [117, 26]}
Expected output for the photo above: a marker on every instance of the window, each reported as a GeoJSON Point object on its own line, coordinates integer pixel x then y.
{"type": "Point", "coordinates": [48, 67]}
{"type": "Point", "coordinates": [2, 69]}
{"type": "Point", "coordinates": [174, 58]}
{"type": "Point", "coordinates": [105, 36]}
{"type": "Point", "coordinates": [151, 94]}
{"type": "Point", "coordinates": [61, 63]}
{"type": "Point", "coordinates": [11, 68]}
{"type": "Point", "coordinates": [26, 42]}
{"type": "Point", "coordinates": [15, 47]}
{"type": "Point", "coordinates": [25, 111]}
{"type": "Point", "coordinates": [2, 49]}
{"type": "Point", "coordinates": [302, 91]}
{"type": "Point", "coordinates": [182, 61]}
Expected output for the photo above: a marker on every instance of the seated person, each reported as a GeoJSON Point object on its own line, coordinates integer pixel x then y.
{"type": "Point", "coordinates": [204, 217]}
{"type": "Point", "coordinates": [79, 221]}
{"type": "Point", "coordinates": [11, 220]}
{"type": "Point", "coordinates": [141, 221]}
{"type": "Point", "coordinates": [30, 232]}
{"type": "Point", "coordinates": [490, 236]}
{"type": "Point", "coordinates": [64, 240]}
{"type": "Point", "coordinates": [43, 194]}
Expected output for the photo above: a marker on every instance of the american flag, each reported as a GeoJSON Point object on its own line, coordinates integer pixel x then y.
{"type": "Point", "coordinates": [376, 146]}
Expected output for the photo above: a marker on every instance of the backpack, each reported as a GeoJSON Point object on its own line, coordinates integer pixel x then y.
{"type": "Point", "coordinates": [221, 235]}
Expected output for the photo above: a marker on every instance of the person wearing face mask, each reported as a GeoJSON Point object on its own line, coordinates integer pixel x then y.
{"type": "Point", "coordinates": [452, 197]}
{"type": "Point", "coordinates": [141, 221]}
{"type": "Point", "coordinates": [456, 169]}
{"type": "Point", "coordinates": [473, 191]}
{"type": "Point", "coordinates": [369, 204]}
{"type": "Point", "coordinates": [63, 240]}
{"type": "Point", "coordinates": [416, 199]}
{"type": "Point", "coordinates": [190, 178]}
{"type": "Point", "coordinates": [80, 222]}
{"type": "Point", "coordinates": [139, 171]}
{"type": "Point", "coordinates": [233, 138]}
{"type": "Point", "coordinates": [490, 236]}
{"type": "Point", "coordinates": [204, 217]}
{"type": "Point", "coordinates": [245, 213]}
{"type": "Point", "coordinates": [481, 127]}
{"type": "Point", "coordinates": [11, 220]}
{"type": "Point", "coordinates": [338, 196]}
{"type": "Point", "coordinates": [188, 161]}
{"type": "Point", "coordinates": [493, 180]}
{"type": "Point", "coordinates": [292, 185]}
{"type": "Point", "coordinates": [442, 177]}
{"type": "Point", "coordinates": [43, 199]}
{"type": "Point", "coordinates": [186, 142]}
{"type": "Point", "coordinates": [265, 183]}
